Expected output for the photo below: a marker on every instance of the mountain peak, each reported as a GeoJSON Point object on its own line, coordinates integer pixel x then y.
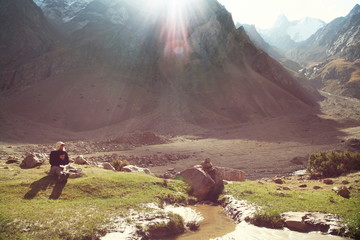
{"type": "Point", "coordinates": [355, 10]}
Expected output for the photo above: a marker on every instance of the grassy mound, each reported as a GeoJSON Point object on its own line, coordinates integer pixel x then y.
{"type": "Point", "coordinates": [265, 194]}
{"type": "Point", "coordinates": [34, 206]}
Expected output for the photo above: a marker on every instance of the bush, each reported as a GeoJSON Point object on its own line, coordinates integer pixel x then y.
{"type": "Point", "coordinates": [119, 164]}
{"type": "Point", "coordinates": [269, 219]}
{"type": "Point", "coordinates": [333, 164]}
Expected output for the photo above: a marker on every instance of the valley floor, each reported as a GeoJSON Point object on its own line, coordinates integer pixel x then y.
{"type": "Point", "coordinates": [273, 146]}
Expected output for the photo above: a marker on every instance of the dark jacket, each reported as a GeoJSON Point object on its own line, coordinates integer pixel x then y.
{"type": "Point", "coordinates": [55, 158]}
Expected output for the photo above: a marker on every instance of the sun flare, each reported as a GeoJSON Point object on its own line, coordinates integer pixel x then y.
{"type": "Point", "coordinates": [175, 15]}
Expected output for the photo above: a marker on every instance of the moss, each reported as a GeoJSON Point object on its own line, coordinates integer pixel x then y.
{"type": "Point", "coordinates": [269, 219]}
{"type": "Point", "coordinates": [174, 226]}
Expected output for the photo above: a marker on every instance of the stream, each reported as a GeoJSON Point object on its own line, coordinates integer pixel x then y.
{"type": "Point", "coordinates": [215, 224]}
{"type": "Point", "coordinates": [218, 226]}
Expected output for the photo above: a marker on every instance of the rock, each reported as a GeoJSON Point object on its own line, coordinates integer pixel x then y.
{"type": "Point", "coordinates": [193, 225]}
{"type": "Point", "coordinates": [286, 188]}
{"type": "Point", "coordinates": [81, 160]}
{"type": "Point", "coordinates": [207, 164]}
{"type": "Point", "coordinates": [299, 160]}
{"type": "Point", "coordinates": [344, 192]}
{"type": "Point", "coordinates": [75, 175]}
{"type": "Point", "coordinates": [345, 182]}
{"type": "Point", "coordinates": [33, 160]}
{"type": "Point", "coordinates": [312, 221]}
{"type": "Point", "coordinates": [231, 174]}
{"type": "Point", "coordinates": [353, 144]}
{"type": "Point", "coordinates": [293, 221]}
{"type": "Point", "coordinates": [317, 187]}
{"type": "Point", "coordinates": [12, 159]}
{"type": "Point", "coordinates": [132, 168]}
{"type": "Point", "coordinates": [278, 181]}
{"type": "Point", "coordinates": [328, 181]}
{"type": "Point", "coordinates": [74, 172]}
{"type": "Point", "coordinates": [303, 186]}
{"type": "Point", "coordinates": [108, 166]}
{"type": "Point", "coordinates": [204, 185]}
{"type": "Point", "coordinates": [280, 193]}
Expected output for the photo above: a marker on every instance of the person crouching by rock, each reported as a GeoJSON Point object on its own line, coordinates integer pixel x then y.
{"type": "Point", "coordinates": [59, 159]}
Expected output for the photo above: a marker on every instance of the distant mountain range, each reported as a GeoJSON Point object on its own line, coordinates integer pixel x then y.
{"type": "Point", "coordinates": [332, 55]}
{"type": "Point", "coordinates": [102, 63]}
{"type": "Point", "coordinates": [329, 57]}
{"type": "Point", "coordinates": [285, 34]}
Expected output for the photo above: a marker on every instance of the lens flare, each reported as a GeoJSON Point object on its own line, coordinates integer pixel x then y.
{"type": "Point", "coordinates": [175, 16]}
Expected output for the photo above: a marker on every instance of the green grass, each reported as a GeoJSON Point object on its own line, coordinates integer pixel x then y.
{"type": "Point", "coordinates": [78, 210]}
{"type": "Point", "coordinates": [323, 200]}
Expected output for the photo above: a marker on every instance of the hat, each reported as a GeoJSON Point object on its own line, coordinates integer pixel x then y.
{"type": "Point", "coordinates": [58, 144]}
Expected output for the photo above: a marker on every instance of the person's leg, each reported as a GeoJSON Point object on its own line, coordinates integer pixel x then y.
{"type": "Point", "coordinates": [56, 171]}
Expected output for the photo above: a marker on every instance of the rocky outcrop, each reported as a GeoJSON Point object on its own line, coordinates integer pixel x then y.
{"type": "Point", "coordinates": [311, 221]}
{"type": "Point", "coordinates": [206, 181]}
{"type": "Point", "coordinates": [33, 160]}
{"type": "Point", "coordinates": [238, 210]}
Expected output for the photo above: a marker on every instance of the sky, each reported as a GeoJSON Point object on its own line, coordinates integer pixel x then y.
{"type": "Point", "coordinates": [263, 13]}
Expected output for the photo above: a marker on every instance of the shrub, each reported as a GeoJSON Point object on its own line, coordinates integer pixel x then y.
{"type": "Point", "coordinates": [333, 164]}
{"type": "Point", "coordinates": [269, 219]}
{"type": "Point", "coordinates": [119, 164]}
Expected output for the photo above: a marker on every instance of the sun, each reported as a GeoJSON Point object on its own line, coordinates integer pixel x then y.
{"type": "Point", "coordinates": [175, 16]}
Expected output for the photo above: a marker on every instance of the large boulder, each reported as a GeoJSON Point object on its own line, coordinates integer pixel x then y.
{"type": "Point", "coordinates": [206, 181]}
{"type": "Point", "coordinates": [33, 160]}
{"type": "Point", "coordinates": [201, 183]}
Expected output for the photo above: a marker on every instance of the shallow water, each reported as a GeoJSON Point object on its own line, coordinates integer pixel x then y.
{"type": "Point", "coordinates": [215, 224]}
{"type": "Point", "coordinates": [245, 231]}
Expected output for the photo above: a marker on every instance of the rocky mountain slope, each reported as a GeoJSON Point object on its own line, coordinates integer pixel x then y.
{"type": "Point", "coordinates": [332, 55]}
{"type": "Point", "coordinates": [25, 35]}
{"type": "Point", "coordinates": [260, 43]}
{"type": "Point", "coordinates": [182, 67]}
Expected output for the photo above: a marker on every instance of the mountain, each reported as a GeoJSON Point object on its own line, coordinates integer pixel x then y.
{"type": "Point", "coordinates": [339, 38]}
{"type": "Point", "coordinates": [260, 43]}
{"type": "Point", "coordinates": [332, 55]}
{"type": "Point", "coordinates": [25, 34]}
{"type": "Point", "coordinates": [61, 11]}
{"type": "Point", "coordinates": [286, 34]}
{"type": "Point", "coordinates": [168, 69]}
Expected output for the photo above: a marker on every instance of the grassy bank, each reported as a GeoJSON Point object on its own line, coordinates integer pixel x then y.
{"type": "Point", "coordinates": [34, 206]}
{"type": "Point", "coordinates": [266, 195]}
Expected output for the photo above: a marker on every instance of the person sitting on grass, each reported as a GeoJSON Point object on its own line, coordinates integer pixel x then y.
{"type": "Point", "coordinates": [59, 159]}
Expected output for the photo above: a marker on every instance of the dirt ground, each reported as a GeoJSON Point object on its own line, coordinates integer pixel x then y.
{"type": "Point", "coordinates": [267, 148]}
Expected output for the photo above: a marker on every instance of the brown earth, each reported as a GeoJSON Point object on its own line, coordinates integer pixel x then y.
{"type": "Point", "coordinates": [262, 149]}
